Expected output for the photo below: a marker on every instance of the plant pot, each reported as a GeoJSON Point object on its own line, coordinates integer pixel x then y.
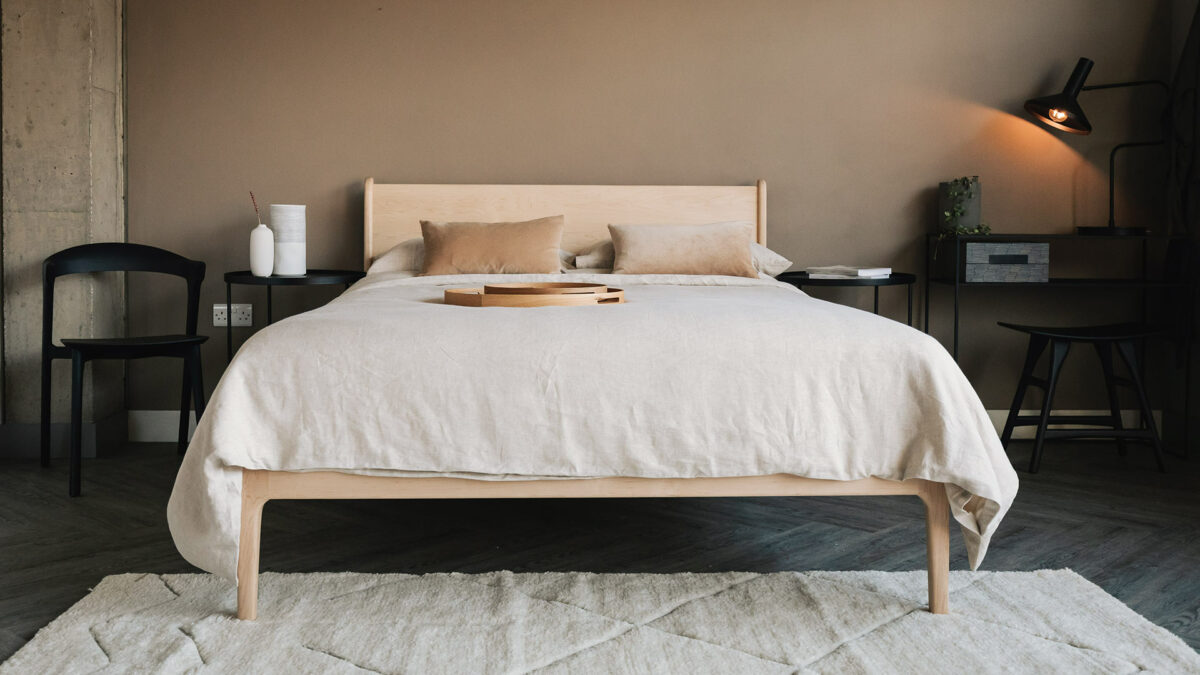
{"type": "Point", "coordinates": [959, 204]}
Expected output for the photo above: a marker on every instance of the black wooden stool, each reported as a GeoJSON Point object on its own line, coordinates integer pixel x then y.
{"type": "Point", "coordinates": [1122, 336]}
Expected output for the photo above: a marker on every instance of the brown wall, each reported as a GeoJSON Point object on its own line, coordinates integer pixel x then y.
{"type": "Point", "coordinates": [851, 109]}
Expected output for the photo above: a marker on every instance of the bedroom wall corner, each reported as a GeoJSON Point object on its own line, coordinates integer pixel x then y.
{"type": "Point", "coordinates": [63, 185]}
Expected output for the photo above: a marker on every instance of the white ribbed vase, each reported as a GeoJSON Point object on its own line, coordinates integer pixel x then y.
{"type": "Point", "coordinates": [287, 222]}
{"type": "Point", "coordinates": [262, 251]}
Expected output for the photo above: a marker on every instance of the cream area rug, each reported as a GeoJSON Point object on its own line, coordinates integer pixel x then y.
{"type": "Point", "coordinates": [790, 622]}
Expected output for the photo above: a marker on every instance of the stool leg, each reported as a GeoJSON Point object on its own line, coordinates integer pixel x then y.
{"type": "Point", "coordinates": [76, 459]}
{"type": "Point", "coordinates": [185, 405]}
{"type": "Point", "coordinates": [1129, 355]}
{"type": "Point", "coordinates": [1037, 345]}
{"type": "Point", "coordinates": [1058, 354]}
{"type": "Point", "coordinates": [1104, 350]}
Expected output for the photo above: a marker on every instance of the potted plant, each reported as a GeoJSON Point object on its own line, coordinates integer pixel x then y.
{"type": "Point", "coordinates": [959, 207]}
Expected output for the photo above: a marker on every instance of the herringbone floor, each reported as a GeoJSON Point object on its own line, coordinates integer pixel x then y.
{"type": "Point", "coordinates": [1114, 520]}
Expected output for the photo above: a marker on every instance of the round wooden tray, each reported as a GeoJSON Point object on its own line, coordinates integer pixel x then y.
{"type": "Point", "coordinates": [560, 294]}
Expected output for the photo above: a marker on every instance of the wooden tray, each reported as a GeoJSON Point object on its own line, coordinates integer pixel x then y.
{"type": "Point", "coordinates": [560, 294]}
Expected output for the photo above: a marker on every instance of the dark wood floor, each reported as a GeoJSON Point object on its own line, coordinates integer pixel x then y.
{"type": "Point", "coordinates": [1114, 520]}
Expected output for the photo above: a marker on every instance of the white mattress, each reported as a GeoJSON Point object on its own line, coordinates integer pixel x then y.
{"type": "Point", "coordinates": [693, 376]}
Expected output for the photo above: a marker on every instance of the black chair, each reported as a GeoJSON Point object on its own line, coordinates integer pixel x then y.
{"type": "Point", "coordinates": [118, 257]}
{"type": "Point", "coordinates": [1124, 338]}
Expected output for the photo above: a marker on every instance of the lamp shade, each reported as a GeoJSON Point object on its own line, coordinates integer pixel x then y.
{"type": "Point", "coordinates": [1062, 110]}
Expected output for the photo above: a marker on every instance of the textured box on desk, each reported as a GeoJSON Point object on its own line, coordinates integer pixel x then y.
{"type": "Point", "coordinates": [1007, 262]}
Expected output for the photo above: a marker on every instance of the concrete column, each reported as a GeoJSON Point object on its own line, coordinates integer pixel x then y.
{"type": "Point", "coordinates": [63, 185]}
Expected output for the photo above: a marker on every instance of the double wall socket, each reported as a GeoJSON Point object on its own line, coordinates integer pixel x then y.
{"type": "Point", "coordinates": [243, 314]}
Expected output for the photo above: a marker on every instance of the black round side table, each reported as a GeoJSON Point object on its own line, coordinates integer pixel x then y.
{"type": "Point", "coordinates": [312, 278]}
{"type": "Point", "coordinates": [800, 280]}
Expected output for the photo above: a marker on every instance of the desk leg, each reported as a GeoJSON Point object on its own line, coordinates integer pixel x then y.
{"type": "Point", "coordinates": [909, 287]}
{"type": "Point", "coordinates": [268, 305]}
{"type": "Point", "coordinates": [928, 280]}
{"type": "Point", "coordinates": [228, 322]}
{"type": "Point", "coordinates": [876, 299]}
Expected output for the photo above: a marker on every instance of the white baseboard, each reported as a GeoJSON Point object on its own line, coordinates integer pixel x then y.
{"type": "Point", "coordinates": [157, 426]}
{"type": "Point", "coordinates": [161, 426]}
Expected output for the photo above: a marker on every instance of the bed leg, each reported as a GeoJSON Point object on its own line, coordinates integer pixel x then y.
{"type": "Point", "coordinates": [253, 499]}
{"type": "Point", "coordinates": [937, 541]}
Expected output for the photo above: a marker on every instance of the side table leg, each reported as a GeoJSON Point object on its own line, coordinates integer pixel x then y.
{"type": "Point", "coordinates": [910, 305]}
{"type": "Point", "coordinates": [228, 322]}
{"type": "Point", "coordinates": [268, 305]}
{"type": "Point", "coordinates": [876, 299]}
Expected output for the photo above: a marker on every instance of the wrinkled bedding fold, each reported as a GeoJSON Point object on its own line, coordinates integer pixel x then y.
{"type": "Point", "coordinates": [693, 376]}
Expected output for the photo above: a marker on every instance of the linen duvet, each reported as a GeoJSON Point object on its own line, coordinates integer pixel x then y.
{"type": "Point", "coordinates": [693, 376]}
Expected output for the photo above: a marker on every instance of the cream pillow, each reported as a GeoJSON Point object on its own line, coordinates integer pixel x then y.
{"type": "Point", "coordinates": [767, 261]}
{"type": "Point", "coordinates": [527, 247]}
{"type": "Point", "coordinates": [715, 248]}
{"type": "Point", "coordinates": [598, 255]}
{"type": "Point", "coordinates": [409, 256]}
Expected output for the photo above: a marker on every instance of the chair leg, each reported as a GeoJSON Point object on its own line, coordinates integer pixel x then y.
{"type": "Point", "coordinates": [45, 414]}
{"type": "Point", "coordinates": [1129, 355]}
{"type": "Point", "coordinates": [1104, 350]}
{"type": "Point", "coordinates": [76, 423]}
{"type": "Point", "coordinates": [185, 405]}
{"type": "Point", "coordinates": [197, 378]}
{"type": "Point", "coordinates": [1037, 345]}
{"type": "Point", "coordinates": [1058, 354]}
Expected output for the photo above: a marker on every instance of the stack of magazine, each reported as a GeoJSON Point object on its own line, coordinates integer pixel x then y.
{"type": "Point", "coordinates": [848, 272]}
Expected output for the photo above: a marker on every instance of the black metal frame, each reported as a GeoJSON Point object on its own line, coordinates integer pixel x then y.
{"type": "Point", "coordinates": [1112, 158]}
{"type": "Point", "coordinates": [117, 257]}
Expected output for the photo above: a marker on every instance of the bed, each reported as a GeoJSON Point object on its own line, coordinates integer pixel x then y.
{"type": "Point", "coordinates": [696, 387]}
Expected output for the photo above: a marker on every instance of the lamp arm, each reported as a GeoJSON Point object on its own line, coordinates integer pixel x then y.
{"type": "Point", "coordinates": [1112, 174]}
{"type": "Point", "coordinates": [1132, 83]}
{"type": "Point", "coordinates": [1112, 156]}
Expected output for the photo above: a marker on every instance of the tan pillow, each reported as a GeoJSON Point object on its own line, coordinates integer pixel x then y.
{"type": "Point", "coordinates": [600, 256]}
{"type": "Point", "coordinates": [528, 247]}
{"type": "Point", "coordinates": [715, 248]}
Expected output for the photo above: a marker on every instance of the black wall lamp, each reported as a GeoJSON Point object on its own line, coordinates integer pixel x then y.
{"type": "Point", "coordinates": [1063, 112]}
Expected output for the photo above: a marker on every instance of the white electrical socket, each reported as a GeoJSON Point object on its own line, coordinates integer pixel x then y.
{"type": "Point", "coordinates": [243, 314]}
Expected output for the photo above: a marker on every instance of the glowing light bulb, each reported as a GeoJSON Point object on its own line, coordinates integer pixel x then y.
{"type": "Point", "coordinates": [1058, 115]}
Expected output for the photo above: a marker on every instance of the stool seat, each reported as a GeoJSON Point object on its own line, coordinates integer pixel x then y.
{"type": "Point", "coordinates": [1106, 332]}
{"type": "Point", "coordinates": [1057, 340]}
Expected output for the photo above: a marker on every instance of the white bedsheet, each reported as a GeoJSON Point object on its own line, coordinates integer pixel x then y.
{"type": "Point", "coordinates": [693, 376]}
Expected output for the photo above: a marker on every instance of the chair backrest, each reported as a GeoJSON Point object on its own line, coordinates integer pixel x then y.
{"type": "Point", "coordinates": [118, 257]}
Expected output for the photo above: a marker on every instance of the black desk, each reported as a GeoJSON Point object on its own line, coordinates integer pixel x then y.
{"type": "Point", "coordinates": [953, 247]}
{"type": "Point", "coordinates": [312, 278]}
{"type": "Point", "coordinates": [800, 280]}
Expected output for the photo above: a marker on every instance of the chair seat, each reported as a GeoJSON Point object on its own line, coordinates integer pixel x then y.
{"type": "Point", "coordinates": [1103, 333]}
{"type": "Point", "coordinates": [134, 347]}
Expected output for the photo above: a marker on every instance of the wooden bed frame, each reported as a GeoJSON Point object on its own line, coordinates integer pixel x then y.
{"type": "Point", "coordinates": [392, 214]}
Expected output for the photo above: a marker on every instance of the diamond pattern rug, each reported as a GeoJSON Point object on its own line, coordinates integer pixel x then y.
{"type": "Point", "coordinates": [788, 622]}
